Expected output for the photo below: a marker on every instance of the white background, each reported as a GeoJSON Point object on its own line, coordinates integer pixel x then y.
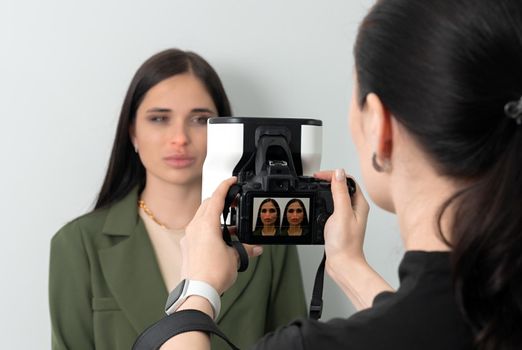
{"type": "Point", "coordinates": [64, 69]}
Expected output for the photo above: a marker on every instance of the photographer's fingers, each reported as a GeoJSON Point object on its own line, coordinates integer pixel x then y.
{"type": "Point", "coordinates": [325, 175]}
{"type": "Point", "coordinates": [217, 201]}
{"type": "Point", "coordinates": [344, 232]}
{"type": "Point", "coordinates": [253, 250]}
{"type": "Point", "coordinates": [339, 188]}
{"type": "Point", "coordinates": [203, 247]}
{"type": "Point", "coordinates": [358, 203]}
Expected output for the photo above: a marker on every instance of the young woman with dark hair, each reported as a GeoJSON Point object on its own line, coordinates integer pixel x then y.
{"type": "Point", "coordinates": [436, 117]}
{"type": "Point", "coordinates": [295, 219]}
{"type": "Point", "coordinates": [112, 269]}
{"type": "Point", "coordinates": [268, 218]}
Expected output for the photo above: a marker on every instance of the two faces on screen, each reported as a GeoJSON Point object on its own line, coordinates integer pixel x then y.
{"type": "Point", "coordinates": [294, 219]}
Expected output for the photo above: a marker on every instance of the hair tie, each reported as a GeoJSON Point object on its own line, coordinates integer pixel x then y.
{"type": "Point", "coordinates": [513, 110]}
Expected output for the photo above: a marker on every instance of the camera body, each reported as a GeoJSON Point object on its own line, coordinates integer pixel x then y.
{"type": "Point", "coordinates": [315, 195]}
{"type": "Point", "coordinates": [270, 156]}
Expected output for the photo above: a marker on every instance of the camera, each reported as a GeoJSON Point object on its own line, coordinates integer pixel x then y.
{"type": "Point", "coordinates": [277, 201]}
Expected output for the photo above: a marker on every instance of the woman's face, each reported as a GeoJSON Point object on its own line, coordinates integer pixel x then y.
{"type": "Point", "coordinates": [295, 214]}
{"type": "Point", "coordinates": [268, 213]}
{"type": "Point", "coordinates": [170, 130]}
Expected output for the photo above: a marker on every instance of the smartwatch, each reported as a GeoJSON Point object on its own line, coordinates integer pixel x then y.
{"type": "Point", "coordinates": [187, 288]}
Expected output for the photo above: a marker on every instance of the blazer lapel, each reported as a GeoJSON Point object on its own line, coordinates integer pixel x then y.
{"type": "Point", "coordinates": [130, 266]}
{"type": "Point", "coordinates": [132, 273]}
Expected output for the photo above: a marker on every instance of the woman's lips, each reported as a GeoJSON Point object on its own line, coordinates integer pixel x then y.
{"type": "Point", "coordinates": [179, 162]}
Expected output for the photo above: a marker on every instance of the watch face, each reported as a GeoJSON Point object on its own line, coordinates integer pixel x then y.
{"type": "Point", "coordinates": [175, 294]}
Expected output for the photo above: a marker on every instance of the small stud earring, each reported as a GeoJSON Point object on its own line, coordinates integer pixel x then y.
{"type": "Point", "coordinates": [379, 168]}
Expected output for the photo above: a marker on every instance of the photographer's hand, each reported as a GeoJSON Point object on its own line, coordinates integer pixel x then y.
{"type": "Point", "coordinates": [344, 237]}
{"type": "Point", "coordinates": [206, 257]}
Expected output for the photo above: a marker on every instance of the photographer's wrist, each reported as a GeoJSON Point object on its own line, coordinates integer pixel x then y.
{"type": "Point", "coordinates": [196, 302]}
{"type": "Point", "coordinates": [188, 288]}
{"type": "Point", "coordinates": [343, 258]}
{"type": "Point", "coordinates": [358, 280]}
{"type": "Point", "coordinates": [337, 265]}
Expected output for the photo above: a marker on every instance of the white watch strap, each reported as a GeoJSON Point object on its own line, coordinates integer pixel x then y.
{"type": "Point", "coordinates": [203, 289]}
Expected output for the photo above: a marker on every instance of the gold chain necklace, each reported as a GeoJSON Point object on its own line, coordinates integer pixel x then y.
{"type": "Point", "coordinates": [142, 205]}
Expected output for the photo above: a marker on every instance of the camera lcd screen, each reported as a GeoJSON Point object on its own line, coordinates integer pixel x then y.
{"type": "Point", "coordinates": [280, 217]}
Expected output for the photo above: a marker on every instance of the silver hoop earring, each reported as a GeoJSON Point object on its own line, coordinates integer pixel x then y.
{"type": "Point", "coordinates": [379, 168]}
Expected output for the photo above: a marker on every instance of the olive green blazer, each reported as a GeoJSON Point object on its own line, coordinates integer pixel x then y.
{"type": "Point", "coordinates": [105, 286]}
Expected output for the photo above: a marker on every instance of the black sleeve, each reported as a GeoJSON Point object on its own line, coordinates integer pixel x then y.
{"type": "Point", "coordinates": [305, 334]}
{"type": "Point", "coordinates": [284, 338]}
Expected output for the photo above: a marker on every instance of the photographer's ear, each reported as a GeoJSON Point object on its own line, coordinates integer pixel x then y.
{"type": "Point", "coordinates": [379, 131]}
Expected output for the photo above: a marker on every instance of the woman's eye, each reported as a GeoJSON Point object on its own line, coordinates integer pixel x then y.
{"type": "Point", "coordinates": [158, 118]}
{"type": "Point", "coordinates": [201, 119]}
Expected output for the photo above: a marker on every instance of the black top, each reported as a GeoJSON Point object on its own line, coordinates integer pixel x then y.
{"type": "Point", "coordinates": [304, 232]}
{"type": "Point", "coordinates": [259, 232]}
{"type": "Point", "coordinates": [421, 314]}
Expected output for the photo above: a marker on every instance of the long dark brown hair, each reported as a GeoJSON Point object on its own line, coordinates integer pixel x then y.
{"type": "Point", "coordinates": [446, 69]}
{"type": "Point", "coordinates": [303, 223]}
{"type": "Point", "coordinates": [259, 223]}
{"type": "Point", "coordinates": [125, 170]}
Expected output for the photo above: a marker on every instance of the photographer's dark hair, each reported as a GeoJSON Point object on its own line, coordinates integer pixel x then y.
{"type": "Point", "coordinates": [285, 222]}
{"type": "Point", "coordinates": [125, 170]}
{"type": "Point", "coordinates": [446, 69]}
{"type": "Point", "coordinates": [259, 223]}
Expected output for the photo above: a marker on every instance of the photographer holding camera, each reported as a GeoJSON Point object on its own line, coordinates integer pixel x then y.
{"type": "Point", "coordinates": [436, 117]}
